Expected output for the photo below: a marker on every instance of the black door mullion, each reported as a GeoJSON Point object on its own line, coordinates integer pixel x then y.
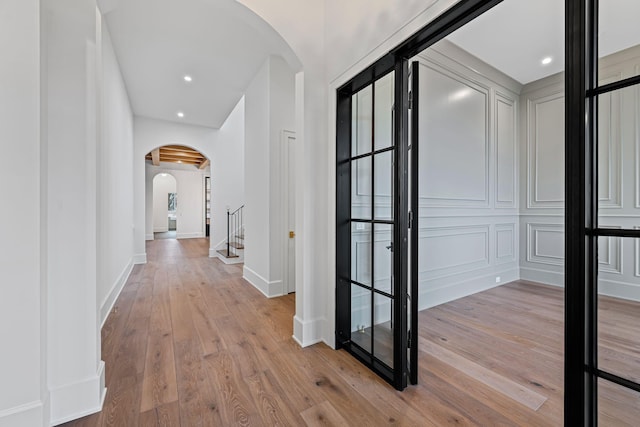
{"type": "Point", "coordinates": [373, 217]}
{"type": "Point", "coordinates": [578, 383]}
{"type": "Point", "coordinates": [401, 183]}
{"type": "Point", "coordinates": [414, 222]}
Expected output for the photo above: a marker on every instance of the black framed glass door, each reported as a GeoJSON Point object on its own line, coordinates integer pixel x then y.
{"type": "Point", "coordinates": [371, 290]}
{"type": "Point", "coordinates": [376, 190]}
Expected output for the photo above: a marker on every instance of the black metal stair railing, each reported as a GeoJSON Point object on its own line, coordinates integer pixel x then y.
{"type": "Point", "coordinates": [235, 229]}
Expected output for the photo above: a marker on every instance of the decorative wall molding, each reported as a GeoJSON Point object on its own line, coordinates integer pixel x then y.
{"type": "Point", "coordinates": [539, 144]}
{"type": "Point", "coordinates": [610, 147]}
{"type": "Point", "coordinates": [505, 243]}
{"type": "Point", "coordinates": [506, 151]}
{"type": "Point", "coordinates": [551, 251]}
{"type": "Point", "coordinates": [471, 245]}
{"type": "Point", "coordinates": [441, 192]}
{"type": "Point", "coordinates": [610, 254]}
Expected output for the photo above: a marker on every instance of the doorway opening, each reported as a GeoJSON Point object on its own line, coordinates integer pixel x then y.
{"type": "Point", "coordinates": [165, 206]}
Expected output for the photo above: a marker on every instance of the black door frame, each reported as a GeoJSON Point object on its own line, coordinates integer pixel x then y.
{"type": "Point", "coordinates": [581, 214]}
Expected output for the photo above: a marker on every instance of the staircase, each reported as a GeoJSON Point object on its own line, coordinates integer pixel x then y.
{"type": "Point", "coordinates": [232, 250]}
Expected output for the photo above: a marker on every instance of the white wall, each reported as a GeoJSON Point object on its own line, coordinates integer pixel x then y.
{"type": "Point", "coordinates": [115, 180]}
{"type": "Point", "coordinates": [542, 176]}
{"type": "Point", "coordinates": [189, 185]}
{"type": "Point", "coordinates": [269, 109]}
{"type": "Point", "coordinates": [162, 184]}
{"type": "Point", "coordinates": [23, 394]}
{"type": "Point", "coordinates": [227, 174]}
{"type": "Point", "coordinates": [356, 28]}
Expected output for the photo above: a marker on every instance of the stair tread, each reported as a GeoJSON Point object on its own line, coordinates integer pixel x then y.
{"type": "Point", "coordinates": [227, 254]}
{"type": "Point", "coordinates": [236, 245]}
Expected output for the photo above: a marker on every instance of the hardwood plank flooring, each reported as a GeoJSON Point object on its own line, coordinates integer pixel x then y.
{"type": "Point", "coordinates": [190, 343]}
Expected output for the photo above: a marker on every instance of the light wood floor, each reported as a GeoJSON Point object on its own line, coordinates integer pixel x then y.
{"type": "Point", "coordinates": [189, 343]}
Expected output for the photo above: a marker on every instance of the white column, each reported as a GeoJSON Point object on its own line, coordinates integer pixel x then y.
{"type": "Point", "coordinates": [22, 329]}
{"type": "Point", "coordinates": [75, 371]}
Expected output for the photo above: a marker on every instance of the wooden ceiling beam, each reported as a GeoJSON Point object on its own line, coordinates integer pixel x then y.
{"type": "Point", "coordinates": [188, 162]}
{"type": "Point", "coordinates": [204, 164]}
{"type": "Point", "coordinates": [178, 148]}
{"type": "Point", "coordinates": [175, 159]}
{"type": "Point", "coordinates": [155, 157]}
{"type": "Point", "coordinates": [182, 154]}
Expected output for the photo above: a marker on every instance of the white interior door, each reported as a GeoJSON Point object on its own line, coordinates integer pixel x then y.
{"type": "Point", "coordinates": [289, 187]}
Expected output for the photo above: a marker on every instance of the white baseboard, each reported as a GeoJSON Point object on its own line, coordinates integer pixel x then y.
{"type": "Point", "coordinates": [112, 296]}
{"type": "Point", "coordinates": [140, 258]}
{"type": "Point", "coordinates": [213, 253]}
{"type": "Point", "coordinates": [440, 295]}
{"type": "Point", "coordinates": [148, 236]}
{"type": "Point", "coordinates": [269, 289]}
{"type": "Point", "coordinates": [27, 415]}
{"type": "Point", "coordinates": [619, 290]}
{"type": "Point", "coordinates": [189, 235]}
{"type": "Point", "coordinates": [237, 260]}
{"type": "Point", "coordinates": [308, 332]}
{"type": "Point", "coordinates": [546, 277]}
{"type": "Point", "coordinates": [79, 399]}
{"type": "Point", "coordinates": [160, 229]}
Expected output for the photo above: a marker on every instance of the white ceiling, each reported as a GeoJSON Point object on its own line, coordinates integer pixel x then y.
{"type": "Point", "coordinates": [516, 35]}
{"type": "Point", "coordinates": [220, 43]}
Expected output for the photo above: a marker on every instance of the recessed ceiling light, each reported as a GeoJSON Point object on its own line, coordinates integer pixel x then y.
{"type": "Point", "coordinates": [187, 78]}
{"type": "Point", "coordinates": [547, 60]}
{"type": "Point", "coordinates": [180, 114]}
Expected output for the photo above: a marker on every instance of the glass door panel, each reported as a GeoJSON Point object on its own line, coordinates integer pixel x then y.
{"type": "Point", "coordinates": [361, 188]}
{"type": "Point", "coordinates": [383, 258]}
{"type": "Point", "coordinates": [383, 199]}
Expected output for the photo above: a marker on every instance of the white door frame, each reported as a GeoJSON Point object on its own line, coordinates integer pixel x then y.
{"type": "Point", "coordinates": [285, 175]}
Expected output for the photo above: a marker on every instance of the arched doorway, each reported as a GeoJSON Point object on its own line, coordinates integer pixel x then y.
{"type": "Point", "coordinates": [177, 197]}
{"type": "Point", "coordinates": [165, 206]}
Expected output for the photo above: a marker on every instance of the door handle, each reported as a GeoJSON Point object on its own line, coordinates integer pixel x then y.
{"type": "Point", "coordinates": [292, 234]}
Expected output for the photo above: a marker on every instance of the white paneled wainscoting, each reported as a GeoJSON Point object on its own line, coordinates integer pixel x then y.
{"type": "Point", "coordinates": [468, 182]}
